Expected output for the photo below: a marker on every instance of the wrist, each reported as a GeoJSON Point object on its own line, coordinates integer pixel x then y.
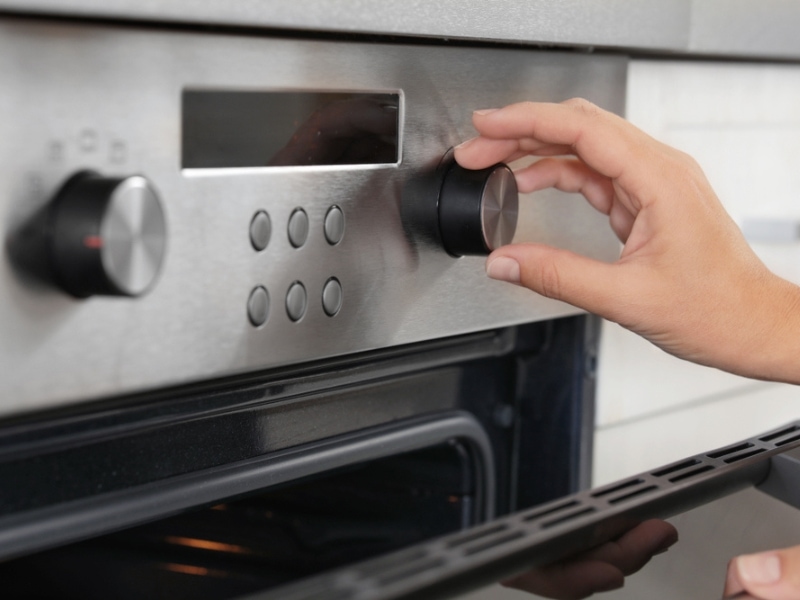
{"type": "Point", "coordinates": [774, 352]}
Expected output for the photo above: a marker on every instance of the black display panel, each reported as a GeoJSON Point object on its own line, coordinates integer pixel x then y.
{"type": "Point", "coordinates": [230, 129]}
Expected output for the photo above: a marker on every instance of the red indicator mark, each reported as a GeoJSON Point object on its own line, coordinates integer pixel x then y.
{"type": "Point", "coordinates": [93, 241]}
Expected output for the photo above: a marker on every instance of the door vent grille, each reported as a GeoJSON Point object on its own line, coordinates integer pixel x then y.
{"type": "Point", "coordinates": [692, 473]}
{"type": "Point", "coordinates": [730, 450]}
{"type": "Point", "coordinates": [540, 535]}
{"type": "Point", "coordinates": [779, 434]}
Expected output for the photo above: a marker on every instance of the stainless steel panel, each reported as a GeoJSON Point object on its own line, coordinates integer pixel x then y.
{"type": "Point", "coordinates": [109, 99]}
{"type": "Point", "coordinates": [652, 24]}
{"type": "Point", "coordinates": [756, 28]}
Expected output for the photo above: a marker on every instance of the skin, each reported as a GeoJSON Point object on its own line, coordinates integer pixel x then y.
{"type": "Point", "coordinates": [686, 279]}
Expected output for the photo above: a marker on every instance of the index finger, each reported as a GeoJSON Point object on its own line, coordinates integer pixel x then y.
{"type": "Point", "coordinates": [604, 141]}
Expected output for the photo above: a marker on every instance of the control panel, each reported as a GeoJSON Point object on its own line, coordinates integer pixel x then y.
{"type": "Point", "coordinates": [182, 206]}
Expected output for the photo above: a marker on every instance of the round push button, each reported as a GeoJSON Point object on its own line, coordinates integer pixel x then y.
{"type": "Point", "coordinates": [258, 306]}
{"type": "Point", "coordinates": [332, 297]}
{"type": "Point", "coordinates": [298, 227]}
{"type": "Point", "coordinates": [260, 230]}
{"type": "Point", "coordinates": [296, 301]}
{"type": "Point", "coordinates": [334, 225]}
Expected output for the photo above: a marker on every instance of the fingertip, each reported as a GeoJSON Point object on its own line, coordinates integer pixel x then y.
{"type": "Point", "coordinates": [759, 569]}
{"type": "Point", "coordinates": [480, 152]}
{"type": "Point", "coordinates": [503, 268]}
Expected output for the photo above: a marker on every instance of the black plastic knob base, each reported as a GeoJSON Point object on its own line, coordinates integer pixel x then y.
{"type": "Point", "coordinates": [460, 211]}
{"type": "Point", "coordinates": [477, 209]}
{"type": "Point", "coordinates": [74, 218]}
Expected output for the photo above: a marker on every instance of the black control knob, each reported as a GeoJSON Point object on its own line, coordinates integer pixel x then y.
{"type": "Point", "coordinates": [477, 209]}
{"type": "Point", "coordinates": [105, 235]}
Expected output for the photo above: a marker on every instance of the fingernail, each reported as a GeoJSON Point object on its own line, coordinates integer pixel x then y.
{"type": "Point", "coordinates": [669, 539]}
{"type": "Point", "coordinates": [484, 111]}
{"type": "Point", "coordinates": [665, 544]}
{"type": "Point", "coordinates": [465, 144]}
{"type": "Point", "coordinates": [760, 568]}
{"type": "Point", "coordinates": [503, 268]}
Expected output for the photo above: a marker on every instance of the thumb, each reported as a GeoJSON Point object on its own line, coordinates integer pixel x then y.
{"type": "Point", "coordinates": [773, 575]}
{"type": "Point", "coordinates": [583, 282]}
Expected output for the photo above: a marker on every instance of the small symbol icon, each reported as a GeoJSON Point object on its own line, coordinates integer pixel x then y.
{"type": "Point", "coordinates": [119, 152]}
{"type": "Point", "coordinates": [36, 184]}
{"type": "Point", "coordinates": [87, 141]}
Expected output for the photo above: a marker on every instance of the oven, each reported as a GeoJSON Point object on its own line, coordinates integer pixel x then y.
{"type": "Point", "coordinates": [246, 334]}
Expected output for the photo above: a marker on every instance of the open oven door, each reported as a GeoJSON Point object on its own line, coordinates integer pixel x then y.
{"type": "Point", "coordinates": [507, 546]}
{"type": "Point", "coordinates": [349, 529]}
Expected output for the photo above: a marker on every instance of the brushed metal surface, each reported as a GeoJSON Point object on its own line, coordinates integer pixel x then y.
{"type": "Point", "coordinates": [651, 24]}
{"type": "Point", "coordinates": [108, 98]}
{"type": "Point", "coordinates": [134, 236]}
{"type": "Point", "coordinates": [752, 28]}
{"type": "Point", "coordinates": [499, 208]}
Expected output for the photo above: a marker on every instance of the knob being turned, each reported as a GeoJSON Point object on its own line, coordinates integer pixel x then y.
{"type": "Point", "coordinates": [477, 209]}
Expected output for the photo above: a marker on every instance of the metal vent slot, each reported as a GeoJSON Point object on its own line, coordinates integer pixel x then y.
{"type": "Point", "coordinates": [550, 511]}
{"type": "Point", "coordinates": [617, 487]}
{"type": "Point", "coordinates": [674, 468]}
{"type": "Point", "coordinates": [414, 569]}
{"type": "Point", "coordinates": [779, 434]}
{"type": "Point", "coordinates": [733, 459]}
{"type": "Point", "coordinates": [729, 450]}
{"type": "Point", "coordinates": [569, 517]}
{"type": "Point", "coordinates": [634, 494]}
{"type": "Point", "coordinates": [379, 565]}
{"type": "Point", "coordinates": [509, 537]}
{"type": "Point", "coordinates": [794, 438]}
{"type": "Point", "coordinates": [691, 473]}
{"type": "Point", "coordinates": [476, 535]}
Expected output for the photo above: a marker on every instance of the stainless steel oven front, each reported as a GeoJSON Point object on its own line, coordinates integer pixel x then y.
{"type": "Point", "coordinates": [226, 285]}
{"type": "Point", "coordinates": [193, 115]}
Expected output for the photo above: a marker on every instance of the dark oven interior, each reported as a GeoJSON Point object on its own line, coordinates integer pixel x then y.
{"type": "Point", "coordinates": [229, 488]}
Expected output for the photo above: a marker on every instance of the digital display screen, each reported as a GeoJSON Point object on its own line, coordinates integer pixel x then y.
{"type": "Point", "coordinates": [230, 129]}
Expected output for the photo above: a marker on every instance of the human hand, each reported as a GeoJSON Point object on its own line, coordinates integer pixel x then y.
{"type": "Point", "coordinates": [601, 569]}
{"type": "Point", "coordinates": [773, 575]}
{"type": "Point", "coordinates": [686, 279]}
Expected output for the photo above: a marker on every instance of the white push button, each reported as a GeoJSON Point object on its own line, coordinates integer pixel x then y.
{"type": "Point", "coordinates": [298, 227]}
{"type": "Point", "coordinates": [334, 225]}
{"type": "Point", "coordinates": [332, 297]}
{"type": "Point", "coordinates": [296, 301]}
{"type": "Point", "coordinates": [260, 230]}
{"type": "Point", "coordinates": [258, 306]}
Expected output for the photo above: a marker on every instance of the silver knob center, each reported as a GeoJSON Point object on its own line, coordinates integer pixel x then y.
{"type": "Point", "coordinates": [134, 236]}
{"type": "Point", "coordinates": [499, 208]}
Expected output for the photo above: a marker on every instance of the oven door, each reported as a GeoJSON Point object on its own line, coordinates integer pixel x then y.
{"type": "Point", "coordinates": [239, 486]}
{"type": "Point", "coordinates": [510, 545]}
{"type": "Point", "coordinates": [424, 477]}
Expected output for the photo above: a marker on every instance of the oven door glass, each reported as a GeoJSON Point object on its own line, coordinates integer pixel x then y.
{"type": "Point", "coordinates": [287, 543]}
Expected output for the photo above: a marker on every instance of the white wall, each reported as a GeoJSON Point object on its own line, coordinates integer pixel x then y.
{"type": "Point", "coordinates": [742, 123]}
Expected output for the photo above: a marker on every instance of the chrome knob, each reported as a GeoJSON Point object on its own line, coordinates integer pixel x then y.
{"type": "Point", "coordinates": [478, 210]}
{"type": "Point", "coordinates": [106, 235]}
